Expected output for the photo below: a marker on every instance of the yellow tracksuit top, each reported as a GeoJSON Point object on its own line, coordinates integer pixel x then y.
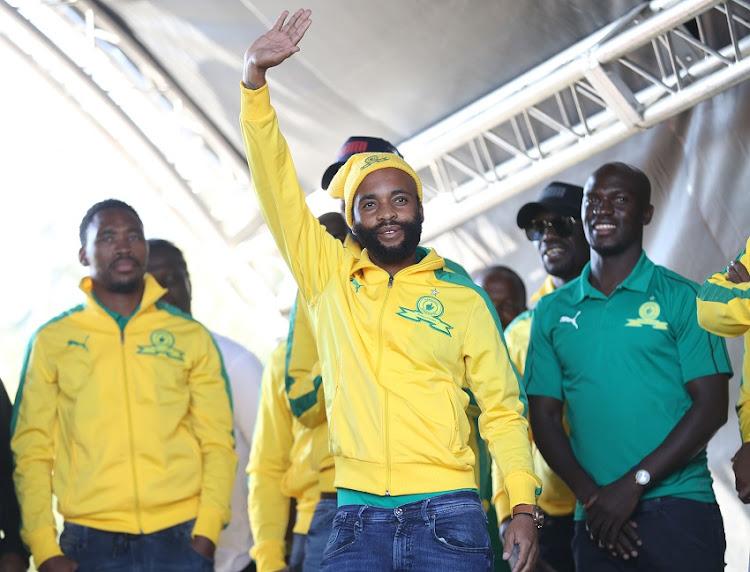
{"type": "Point", "coordinates": [556, 498]}
{"type": "Point", "coordinates": [280, 468]}
{"type": "Point", "coordinates": [395, 350]}
{"type": "Point", "coordinates": [131, 429]}
{"type": "Point", "coordinates": [724, 309]}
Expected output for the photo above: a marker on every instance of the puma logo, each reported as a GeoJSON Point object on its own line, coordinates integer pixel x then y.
{"type": "Point", "coordinates": [79, 344]}
{"type": "Point", "coordinates": [569, 320]}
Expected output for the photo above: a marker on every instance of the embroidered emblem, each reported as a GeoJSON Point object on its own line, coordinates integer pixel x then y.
{"type": "Point", "coordinates": [162, 342]}
{"type": "Point", "coordinates": [79, 344]}
{"type": "Point", "coordinates": [429, 309]}
{"type": "Point", "coordinates": [569, 320]}
{"type": "Point", "coordinates": [648, 312]}
{"type": "Point", "coordinates": [372, 159]}
{"type": "Point", "coordinates": [357, 285]}
{"type": "Point", "coordinates": [435, 292]}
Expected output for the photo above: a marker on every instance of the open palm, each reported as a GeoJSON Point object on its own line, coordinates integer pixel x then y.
{"type": "Point", "coordinates": [279, 42]}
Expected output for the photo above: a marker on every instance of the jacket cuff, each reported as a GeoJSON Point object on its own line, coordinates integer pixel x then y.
{"type": "Point", "coordinates": [208, 523]}
{"type": "Point", "coordinates": [255, 104]}
{"type": "Point", "coordinates": [43, 544]}
{"type": "Point", "coordinates": [268, 555]}
{"type": "Point", "coordinates": [523, 487]}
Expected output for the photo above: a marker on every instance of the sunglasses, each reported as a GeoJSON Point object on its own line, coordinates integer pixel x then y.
{"type": "Point", "coordinates": [562, 226]}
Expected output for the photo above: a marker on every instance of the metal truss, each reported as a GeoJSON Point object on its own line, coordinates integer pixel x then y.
{"type": "Point", "coordinates": [657, 61]}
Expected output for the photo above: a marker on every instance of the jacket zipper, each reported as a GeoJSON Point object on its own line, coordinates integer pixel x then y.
{"type": "Point", "coordinates": [386, 424]}
{"type": "Point", "coordinates": [137, 503]}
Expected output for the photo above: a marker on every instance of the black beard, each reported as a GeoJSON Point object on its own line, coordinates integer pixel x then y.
{"type": "Point", "coordinates": [368, 238]}
{"type": "Point", "coordinates": [124, 287]}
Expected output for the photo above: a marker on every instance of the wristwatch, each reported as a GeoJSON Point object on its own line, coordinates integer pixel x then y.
{"type": "Point", "coordinates": [642, 477]}
{"type": "Point", "coordinates": [536, 513]}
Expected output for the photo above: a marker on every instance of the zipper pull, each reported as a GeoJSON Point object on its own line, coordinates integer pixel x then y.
{"type": "Point", "coordinates": [390, 281]}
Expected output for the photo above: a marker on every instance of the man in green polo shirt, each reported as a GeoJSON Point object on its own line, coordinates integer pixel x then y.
{"type": "Point", "coordinates": [645, 389]}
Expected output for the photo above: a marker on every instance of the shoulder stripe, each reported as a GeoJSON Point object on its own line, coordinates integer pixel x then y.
{"type": "Point", "coordinates": [27, 355]}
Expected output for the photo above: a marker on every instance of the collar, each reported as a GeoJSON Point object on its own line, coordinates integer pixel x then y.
{"type": "Point", "coordinates": [427, 259]}
{"type": "Point", "coordinates": [637, 281]}
{"type": "Point", "coordinates": [152, 292]}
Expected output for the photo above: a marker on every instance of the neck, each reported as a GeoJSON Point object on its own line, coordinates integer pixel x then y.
{"type": "Point", "coordinates": [118, 302]}
{"type": "Point", "coordinates": [609, 271]}
{"type": "Point", "coordinates": [395, 267]}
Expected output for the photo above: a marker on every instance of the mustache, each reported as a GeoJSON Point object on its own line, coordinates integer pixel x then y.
{"type": "Point", "coordinates": [128, 258]}
{"type": "Point", "coordinates": [389, 223]}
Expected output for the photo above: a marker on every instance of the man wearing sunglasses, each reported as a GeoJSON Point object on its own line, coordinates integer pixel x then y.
{"type": "Point", "coordinates": [644, 387]}
{"type": "Point", "coordinates": [553, 223]}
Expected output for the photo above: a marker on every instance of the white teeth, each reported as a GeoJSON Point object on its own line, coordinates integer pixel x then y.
{"type": "Point", "coordinates": [554, 251]}
{"type": "Point", "coordinates": [604, 226]}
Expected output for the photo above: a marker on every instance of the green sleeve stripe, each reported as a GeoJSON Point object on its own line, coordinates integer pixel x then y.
{"type": "Point", "coordinates": [299, 405]}
{"type": "Point", "coordinates": [456, 267]}
{"type": "Point", "coordinates": [455, 278]}
{"type": "Point", "coordinates": [27, 355]}
{"type": "Point", "coordinates": [711, 292]}
{"type": "Point", "coordinates": [288, 380]}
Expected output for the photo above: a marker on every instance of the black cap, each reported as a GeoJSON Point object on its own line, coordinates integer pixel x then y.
{"type": "Point", "coordinates": [560, 198]}
{"type": "Point", "coordinates": [353, 146]}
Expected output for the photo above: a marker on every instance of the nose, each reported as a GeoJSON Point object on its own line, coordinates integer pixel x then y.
{"type": "Point", "coordinates": [123, 245]}
{"type": "Point", "coordinates": [386, 212]}
{"type": "Point", "coordinates": [604, 207]}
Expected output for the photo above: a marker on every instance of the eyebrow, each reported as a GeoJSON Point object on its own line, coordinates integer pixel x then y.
{"type": "Point", "coordinates": [393, 192]}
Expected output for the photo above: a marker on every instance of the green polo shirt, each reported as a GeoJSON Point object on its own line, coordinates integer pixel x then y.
{"type": "Point", "coordinates": [621, 363]}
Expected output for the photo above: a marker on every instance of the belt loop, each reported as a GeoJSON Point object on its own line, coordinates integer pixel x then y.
{"type": "Point", "coordinates": [359, 516]}
{"type": "Point", "coordinates": [425, 506]}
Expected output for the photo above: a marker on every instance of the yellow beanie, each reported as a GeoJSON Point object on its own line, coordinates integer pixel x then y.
{"type": "Point", "coordinates": [348, 178]}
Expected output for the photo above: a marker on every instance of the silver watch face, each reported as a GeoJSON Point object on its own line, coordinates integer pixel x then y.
{"type": "Point", "coordinates": [642, 477]}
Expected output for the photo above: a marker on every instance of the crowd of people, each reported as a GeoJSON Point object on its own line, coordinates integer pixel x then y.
{"type": "Point", "coordinates": [414, 418]}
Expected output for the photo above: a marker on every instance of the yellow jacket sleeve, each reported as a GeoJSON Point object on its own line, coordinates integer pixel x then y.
{"type": "Point", "coordinates": [496, 387]}
{"type": "Point", "coordinates": [268, 506]}
{"type": "Point", "coordinates": [33, 430]}
{"type": "Point", "coordinates": [313, 255]}
{"type": "Point", "coordinates": [211, 418]}
{"type": "Point", "coordinates": [302, 378]}
{"type": "Point", "coordinates": [724, 309]}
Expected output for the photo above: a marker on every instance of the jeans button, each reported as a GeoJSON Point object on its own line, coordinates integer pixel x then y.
{"type": "Point", "coordinates": [399, 512]}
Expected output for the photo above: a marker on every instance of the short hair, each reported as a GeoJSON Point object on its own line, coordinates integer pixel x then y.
{"type": "Point", "coordinates": [505, 271]}
{"type": "Point", "coordinates": [163, 244]}
{"type": "Point", "coordinates": [97, 208]}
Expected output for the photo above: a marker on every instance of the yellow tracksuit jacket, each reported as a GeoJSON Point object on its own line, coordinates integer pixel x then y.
{"type": "Point", "coordinates": [280, 468]}
{"type": "Point", "coordinates": [724, 309]}
{"type": "Point", "coordinates": [395, 350]}
{"type": "Point", "coordinates": [130, 428]}
{"type": "Point", "coordinates": [556, 498]}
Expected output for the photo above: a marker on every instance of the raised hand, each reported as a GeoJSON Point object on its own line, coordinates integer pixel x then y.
{"type": "Point", "coordinates": [275, 46]}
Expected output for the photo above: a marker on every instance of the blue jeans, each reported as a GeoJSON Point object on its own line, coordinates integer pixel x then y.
{"type": "Point", "coordinates": [166, 550]}
{"type": "Point", "coordinates": [444, 533]}
{"type": "Point", "coordinates": [297, 555]}
{"type": "Point", "coordinates": [678, 535]}
{"type": "Point", "coordinates": [318, 534]}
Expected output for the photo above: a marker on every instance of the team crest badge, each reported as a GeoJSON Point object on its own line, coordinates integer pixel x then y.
{"type": "Point", "coordinates": [162, 342]}
{"type": "Point", "coordinates": [429, 309]}
{"type": "Point", "coordinates": [649, 314]}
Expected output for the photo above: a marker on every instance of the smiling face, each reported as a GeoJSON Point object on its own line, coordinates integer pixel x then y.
{"type": "Point", "coordinates": [616, 208]}
{"type": "Point", "coordinates": [562, 256]}
{"type": "Point", "coordinates": [115, 251]}
{"type": "Point", "coordinates": [168, 267]}
{"type": "Point", "coordinates": [387, 216]}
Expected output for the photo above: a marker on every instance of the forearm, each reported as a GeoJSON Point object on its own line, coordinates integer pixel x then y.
{"type": "Point", "coordinates": [688, 438]}
{"type": "Point", "coordinates": [723, 306]}
{"type": "Point", "coordinates": [554, 444]}
{"type": "Point", "coordinates": [268, 509]}
{"type": "Point", "coordinates": [305, 246]}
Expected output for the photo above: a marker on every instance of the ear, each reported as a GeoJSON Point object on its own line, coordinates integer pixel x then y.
{"type": "Point", "coordinates": [648, 214]}
{"type": "Point", "coordinates": [421, 213]}
{"type": "Point", "coordinates": [82, 258]}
